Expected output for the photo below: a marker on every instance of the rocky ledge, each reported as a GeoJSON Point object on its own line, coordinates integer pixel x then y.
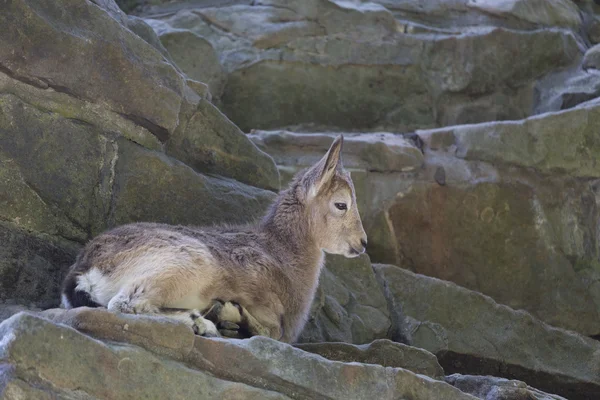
{"type": "Point", "coordinates": [94, 354]}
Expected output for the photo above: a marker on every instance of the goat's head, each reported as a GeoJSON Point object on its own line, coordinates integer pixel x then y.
{"type": "Point", "coordinates": [331, 204]}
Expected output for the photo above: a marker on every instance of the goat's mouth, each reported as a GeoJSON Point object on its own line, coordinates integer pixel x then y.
{"type": "Point", "coordinates": [352, 253]}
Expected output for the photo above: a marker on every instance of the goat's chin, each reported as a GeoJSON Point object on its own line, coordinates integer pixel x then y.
{"type": "Point", "coordinates": [351, 254]}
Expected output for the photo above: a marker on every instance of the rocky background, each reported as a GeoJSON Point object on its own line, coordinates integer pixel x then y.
{"type": "Point", "coordinates": [473, 136]}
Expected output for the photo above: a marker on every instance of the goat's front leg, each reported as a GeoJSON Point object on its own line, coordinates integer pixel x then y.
{"type": "Point", "coordinates": [194, 319]}
{"type": "Point", "coordinates": [235, 321]}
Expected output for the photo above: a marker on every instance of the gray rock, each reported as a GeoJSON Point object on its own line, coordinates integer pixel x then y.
{"type": "Point", "coordinates": [487, 338]}
{"type": "Point", "coordinates": [349, 305]}
{"type": "Point", "coordinates": [381, 152]}
{"type": "Point", "coordinates": [492, 388]}
{"type": "Point", "coordinates": [141, 85]}
{"type": "Point", "coordinates": [591, 59]}
{"type": "Point", "coordinates": [60, 362]}
{"type": "Point", "coordinates": [383, 352]}
{"type": "Point", "coordinates": [371, 75]}
{"type": "Point", "coordinates": [32, 267]}
{"type": "Point", "coordinates": [52, 360]}
{"type": "Point", "coordinates": [210, 143]}
{"type": "Point", "coordinates": [179, 194]}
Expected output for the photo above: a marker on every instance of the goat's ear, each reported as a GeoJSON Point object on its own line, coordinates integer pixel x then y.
{"type": "Point", "coordinates": [332, 161]}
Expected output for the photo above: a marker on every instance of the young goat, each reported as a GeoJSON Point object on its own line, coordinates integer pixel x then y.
{"type": "Point", "coordinates": [271, 270]}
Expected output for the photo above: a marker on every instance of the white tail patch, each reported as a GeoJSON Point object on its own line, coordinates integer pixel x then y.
{"type": "Point", "coordinates": [64, 302]}
{"type": "Point", "coordinates": [97, 285]}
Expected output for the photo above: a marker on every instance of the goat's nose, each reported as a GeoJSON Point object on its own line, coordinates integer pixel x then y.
{"type": "Point", "coordinates": [364, 243]}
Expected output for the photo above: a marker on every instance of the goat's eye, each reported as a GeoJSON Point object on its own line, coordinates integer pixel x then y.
{"type": "Point", "coordinates": [340, 206]}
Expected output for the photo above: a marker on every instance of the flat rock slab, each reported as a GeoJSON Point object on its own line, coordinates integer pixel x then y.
{"type": "Point", "coordinates": [43, 360]}
{"type": "Point", "coordinates": [47, 358]}
{"type": "Point", "coordinates": [492, 388]}
{"type": "Point", "coordinates": [382, 352]}
{"type": "Point", "coordinates": [472, 334]}
{"type": "Point", "coordinates": [381, 152]}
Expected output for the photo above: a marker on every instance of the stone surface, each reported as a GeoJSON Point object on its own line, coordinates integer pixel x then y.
{"type": "Point", "coordinates": [392, 74]}
{"type": "Point", "coordinates": [381, 152]}
{"type": "Point", "coordinates": [32, 266]}
{"type": "Point", "coordinates": [491, 388]}
{"type": "Point", "coordinates": [196, 56]}
{"type": "Point", "coordinates": [141, 174]}
{"type": "Point", "coordinates": [383, 352]}
{"type": "Point", "coordinates": [349, 305]}
{"type": "Point", "coordinates": [210, 143]}
{"type": "Point", "coordinates": [50, 359]}
{"type": "Point", "coordinates": [59, 362]}
{"type": "Point", "coordinates": [121, 70]}
{"type": "Point", "coordinates": [560, 13]}
{"type": "Point", "coordinates": [529, 247]}
{"type": "Point", "coordinates": [591, 59]}
{"type": "Point", "coordinates": [482, 337]}
{"type": "Point", "coordinates": [538, 142]}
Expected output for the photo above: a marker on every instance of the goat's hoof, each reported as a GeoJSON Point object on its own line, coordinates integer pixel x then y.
{"type": "Point", "coordinates": [202, 326]}
{"type": "Point", "coordinates": [230, 330]}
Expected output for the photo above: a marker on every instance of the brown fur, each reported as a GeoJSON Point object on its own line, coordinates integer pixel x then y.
{"type": "Point", "coordinates": [271, 269]}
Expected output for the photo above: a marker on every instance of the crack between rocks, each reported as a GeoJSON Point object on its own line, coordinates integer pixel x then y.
{"type": "Point", "coordinates": [161, 133]}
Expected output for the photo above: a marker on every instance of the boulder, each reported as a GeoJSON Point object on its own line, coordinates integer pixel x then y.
{"type": "Point", "coordinates": [591, 59]}
{"type": "Point", "coordinates": [472, 334]}
{"type": "Point", "coordinates": [492, 388]}
{"type": "Point", "coordinates": [210, 143]}
{"type": "Point", "coordinates": [52, 360]}
{"type": "Point", "coordinates": [463, 15]}
{"type": "Point", "coordinates": [40, 41]}
{"type": "Point", "coordinates": [372, 66]}
{"type": "Point", "coordinates": [44, 360]}
{"type": "Point", "coordinates": [142, 174]}
{"type": "Point", "coordinates": [382, 352]}
{"type": "Point", "coordinates": [32, 267]}
{"type": "Point", "coordinates": [538, 142]}
{"type": "Point", "coordinates": [380, 152]}
{"type": "Point", "coordinates": [134, 88]}
{"type": "Point", "coordinates": [349, 305]}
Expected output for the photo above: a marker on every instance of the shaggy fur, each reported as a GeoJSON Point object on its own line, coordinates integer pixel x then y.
{"type": "Point", "coordinates": [270, 269]}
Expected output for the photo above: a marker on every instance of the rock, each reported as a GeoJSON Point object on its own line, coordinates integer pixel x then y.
{"type": "Point", "coordinates": [382, 152]}
{"type": "Point", "coordinates": [591, 59]}
{"type": "Point", "coordinates": [7, 310]}
{"type": "Point", "coordinates": [145, 31]}
{"type": "Point", "coordinates": [556, 13]}
{"type": "Point", "coordinates": [566, 89]}
{"type": "Point", "coordinates": [383, 352]}
{"type": "Point", "coordinates": [537, 142]}
{"type": "Point", "coordinates": [146, 95]}
{"type": "Point", "coordinates": [499, 239]}
{"type": "Point", "coordinates": [196, 56]}
{"type": "Point", "coordinates": [374, 76]}
{"type": "Point", "coordinates": [65, 179]}
{"type": "Point", "coordinates": [471, 334]}
{"type": "Point", "coordinates": [284, 368]}
{"type": "Point", "coordinates": [32, 266]}
{"type": "Point", "coordinates": [141, 174]}
{"type": "Point", "coordinates": [349, 305]}
{"type": "Point", "coordinates": [491, 388]}
{"type": "Point", "coordinates": [142, 86]}
{"type": "Point", "coordinates": [464, 15]}
{"type": "Point", "coordinates": [158, 334]}
{"type": "Point", "coordinates": [49, 359]}
{"type": "Point", "coordinates": [53, 361]}
{"type": "Point", "coordinates": [210, 143]}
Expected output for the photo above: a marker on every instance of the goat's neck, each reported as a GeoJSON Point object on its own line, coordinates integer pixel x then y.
{"type": "Point", "coordinates": [288, 225]}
